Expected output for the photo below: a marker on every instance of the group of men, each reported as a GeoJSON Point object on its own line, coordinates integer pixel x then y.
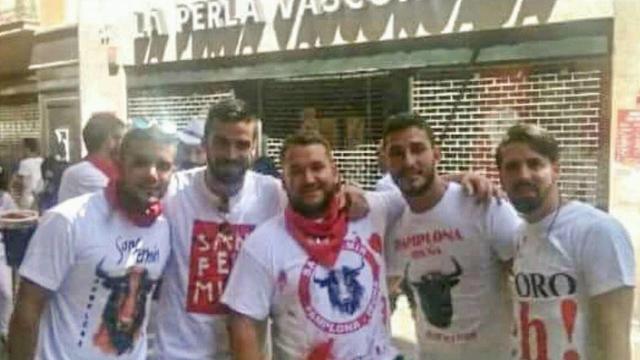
{"type": "Point", "coordinates": [239, 252]}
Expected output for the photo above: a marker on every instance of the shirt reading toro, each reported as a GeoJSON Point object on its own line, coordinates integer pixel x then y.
{"type": "Point", "coordinates": [102, 271]}
{"type": "Point", "coordinates": [560, 263]}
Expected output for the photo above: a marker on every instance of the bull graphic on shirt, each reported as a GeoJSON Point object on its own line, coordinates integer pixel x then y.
{"type": "Point", "coordinates": [345, 292]}
{"type": "Point", "coordinates": [434, 291]}
{"type": "Point", "coordinates": [125, 310]}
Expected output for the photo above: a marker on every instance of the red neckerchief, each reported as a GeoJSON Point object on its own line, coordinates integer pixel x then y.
{"type": "Point", "coordinates": [107, 166]}
{"type": "Point", "coordinates": [143, 219]}
{"type": "Point", "coordinates": [331, 230]}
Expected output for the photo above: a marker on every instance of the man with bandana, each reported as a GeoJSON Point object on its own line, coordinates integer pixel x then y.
{"type": "Point", "coordinates": [93, 262]}
{"type": "Point", "coordinates": [574, 265]}
{"type": "Point", "coordinates": [317, 274]}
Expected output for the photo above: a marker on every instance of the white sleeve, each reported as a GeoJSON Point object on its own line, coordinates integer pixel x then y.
{"type": "Point", "coordinates": [501, 228]}
{"type": "Point", "coordinates": [394, 204]}
{"type": "Point", "coordinates": [607, 257]}
{"type": "Point", "coordinates": [50, 253]}
{"type": "Point", "coordinates": [23, 168]}
{"type": "Point", "coordinates": [250, 287]}
{"type": "Point", "coordinates": [7, 203]}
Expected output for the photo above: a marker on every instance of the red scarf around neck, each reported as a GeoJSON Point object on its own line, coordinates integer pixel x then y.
{"type": "Point", "coordinates": [107, 166]}
{"type": "Point", "coordinates": [322, 240]}
{"type": "Point", "coordinates": [142, 219]}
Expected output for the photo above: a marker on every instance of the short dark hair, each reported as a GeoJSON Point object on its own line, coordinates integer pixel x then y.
{"type": "Point", "coordinates": [304, 138]}
{"type": "Point", "coordinates": [227, 110]}
{"type": "Point", "coordinates": [153, 133]}
{"type": "Point", "coordinates": [31, 144]}
{"type": "Point", "coordinates": [402, 121]}
{"type": "Point", "coordinates": [539, 139]}
{"type": "Point", "coordinates": [99, 128]}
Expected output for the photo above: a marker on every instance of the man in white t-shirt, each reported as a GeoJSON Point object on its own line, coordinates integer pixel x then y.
{"type": "Point", "coordinates": [101, 136]}
{"type": "Point", "coordinates": [94, 261]}
{"type": "Point", "coordinates": [319, 276]}
{"type": "Point", "coordinates": [450, 249]}
{"type": "Point", "coordinates": [211, 210]}
{"type": "Point", "coordinates": [29, 175]}
{"type": "Point", "coordinates": [574, 265]}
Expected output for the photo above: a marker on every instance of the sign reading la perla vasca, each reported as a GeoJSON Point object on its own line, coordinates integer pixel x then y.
{"type": "Point", "coordinates": [186, 30]}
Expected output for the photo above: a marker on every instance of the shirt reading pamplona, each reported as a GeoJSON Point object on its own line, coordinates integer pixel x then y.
{"type": "Point", "coordinates": [101, 270]}
{"type": "Point", "coordinates": [451, 257]}
{"type": "Point", "coordinates": [318, 312]}
{"type": "Point", "coordinates": [573, 254]}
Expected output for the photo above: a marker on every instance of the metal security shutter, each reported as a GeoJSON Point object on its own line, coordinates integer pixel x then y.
{"type": "Point", "coordinates": [179, 104]}
{"type": "Point", "coordinates": [337, 101]}
{"type": "Point", "coordinates": [470, 110]}
{"type": "Point", "coordinates": [19, 118]}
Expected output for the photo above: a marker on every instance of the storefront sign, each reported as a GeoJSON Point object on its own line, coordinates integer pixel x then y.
{"type": "Point", "coordinates": [174, 31]}
{"type": "Point", "coordinates": [628, 139]}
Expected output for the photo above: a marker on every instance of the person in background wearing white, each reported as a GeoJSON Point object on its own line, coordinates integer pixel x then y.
{"type": "Point", "coordinates": [450, 249]}
{"type": "Point", "coordinates": [191, 151]}
{"type": "Point", "coordinates": [94, 261]}
{"type": "Point", "coordinates": [29, 176]}
{"type": "Point", "coordinates": [574, 265]}
{"type": "Point", "coordinates": [101, 136]}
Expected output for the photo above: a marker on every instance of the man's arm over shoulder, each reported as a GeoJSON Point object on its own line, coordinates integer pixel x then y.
{"type": "Point", "coordinates": [502, 224]}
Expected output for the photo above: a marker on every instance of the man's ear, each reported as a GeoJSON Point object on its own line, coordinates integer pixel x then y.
{"type": "Point", "coordinates": [555, 171]}
{"type": "Point", "coordinates": [437, 155]}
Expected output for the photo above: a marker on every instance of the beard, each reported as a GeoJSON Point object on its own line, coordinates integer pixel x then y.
{"type": "Point", "coordinates": [229, 172]}
{"type": "Point", "coordinates": [316, 209]}
{"type": "Point", "coordinates": [134, 198]}
{"type": "Point", "coordinates": [417, 191]}
{"type": "Point", "coordinates": [528, 204]}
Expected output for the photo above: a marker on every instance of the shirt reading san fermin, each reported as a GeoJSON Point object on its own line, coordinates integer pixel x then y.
{"type": "Point", "coordinates": [101, 270]}
{"type": "Point", "coordinates": [205, 242]}
{"type": "Point", "coordinates": [571, 255]}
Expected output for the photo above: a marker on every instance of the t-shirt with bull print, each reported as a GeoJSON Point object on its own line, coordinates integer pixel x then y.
{"type": "Point", "coordinates": [101, 270]}
{"type": "Point", "coordinates": [451, 257]}
{"type": "Point", "coordinates": [573, 254]}
{"type": "Point", "coordinates": [318, 313]}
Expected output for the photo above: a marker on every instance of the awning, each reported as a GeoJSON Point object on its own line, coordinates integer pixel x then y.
{"type": "Point", "coordinates": [15, 49]}
{"type": "Point", "coordinates": [581, 46]}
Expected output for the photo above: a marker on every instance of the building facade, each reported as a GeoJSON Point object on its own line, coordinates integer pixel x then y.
{"type": "Point", "coordinates": [470, 69]}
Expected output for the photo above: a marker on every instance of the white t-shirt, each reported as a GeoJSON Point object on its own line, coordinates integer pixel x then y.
{"type": "Point", "coordinates": [205, 242]}
{"type": "Point", "coordinates": [569, 256]}
{"type": "Point", "coordinates": [79, 179]}
{"type": "Point", "coordinates": [451, 256]}
{"type": "Point", "coordinates": [346, 306]}
{"type": "Point", "coordinates": [6, 203]}
{"type": "Point", "coordinates": [386, 183]}
{"type": "Point", "coordinates": [29, 169]}
{"type": "Point", "coordinates": [101, 270]}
